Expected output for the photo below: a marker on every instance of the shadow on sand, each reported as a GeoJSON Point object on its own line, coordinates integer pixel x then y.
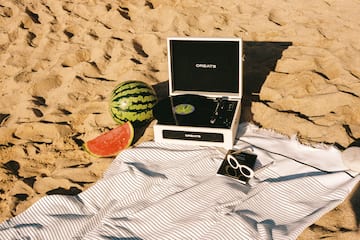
{"type": "Point", "coordinates": [260, 59]}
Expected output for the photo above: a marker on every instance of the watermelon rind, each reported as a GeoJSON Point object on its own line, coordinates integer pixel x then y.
{"type": "Point", "coordinates": [110, 143]}
{"type": "Point", "coordinates": [133, 101]}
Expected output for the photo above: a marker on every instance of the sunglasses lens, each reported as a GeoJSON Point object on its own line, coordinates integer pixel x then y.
{"type": "Point", "coordinates": [246, 172]}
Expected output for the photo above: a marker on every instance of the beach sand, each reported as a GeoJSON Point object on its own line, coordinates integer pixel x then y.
{"type": "Point", "coordinates": [59, 61]}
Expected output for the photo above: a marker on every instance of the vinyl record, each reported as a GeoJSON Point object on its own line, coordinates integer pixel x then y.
{"type": "Point", "coordinates": [183, 110]}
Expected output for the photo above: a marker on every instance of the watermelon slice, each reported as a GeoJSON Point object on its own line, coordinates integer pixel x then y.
{"type": "Point", "coordinates": [112, 142]}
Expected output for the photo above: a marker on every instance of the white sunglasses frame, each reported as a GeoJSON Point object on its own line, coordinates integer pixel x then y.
{"type": "Point", "coordinates": [230, 159]}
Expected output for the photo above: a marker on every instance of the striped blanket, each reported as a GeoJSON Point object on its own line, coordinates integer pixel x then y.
{"type": "Point", "coordinates": [161, 191]}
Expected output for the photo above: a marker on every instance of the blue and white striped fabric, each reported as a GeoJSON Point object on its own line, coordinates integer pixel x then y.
{"type": "Point", "coordinates": [160, 191]}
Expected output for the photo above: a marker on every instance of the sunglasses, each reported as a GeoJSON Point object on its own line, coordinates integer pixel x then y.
{"type": "Point", "coordinates": [238, 164]}
{"type": "Point", "coordinates": [244, 169]}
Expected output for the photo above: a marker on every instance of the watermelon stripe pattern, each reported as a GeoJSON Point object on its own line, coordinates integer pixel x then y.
{"type": "Point", "coordinates": [133, 101]}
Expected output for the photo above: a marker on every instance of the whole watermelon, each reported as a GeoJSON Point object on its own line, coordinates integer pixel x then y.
{"type": "Point", "coordinates": [133, 101]}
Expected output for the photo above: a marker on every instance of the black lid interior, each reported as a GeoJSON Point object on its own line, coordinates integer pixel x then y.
{"type": "Point", "coordinates": [205, 66]}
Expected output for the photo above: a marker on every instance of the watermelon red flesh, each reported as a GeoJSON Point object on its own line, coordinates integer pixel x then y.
{"type": "Point", "coordinates": [112, 142]}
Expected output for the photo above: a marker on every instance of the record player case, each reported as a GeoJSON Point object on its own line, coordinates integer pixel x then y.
{"type": "Point", "coordinates": [205, 67]}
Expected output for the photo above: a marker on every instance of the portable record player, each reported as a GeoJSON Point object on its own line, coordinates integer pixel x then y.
{"type": "Point", "coordinates": [205, 91]}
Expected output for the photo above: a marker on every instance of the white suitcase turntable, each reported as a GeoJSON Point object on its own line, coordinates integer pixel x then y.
{"type": "Point", "coordinates": [205, 91]}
